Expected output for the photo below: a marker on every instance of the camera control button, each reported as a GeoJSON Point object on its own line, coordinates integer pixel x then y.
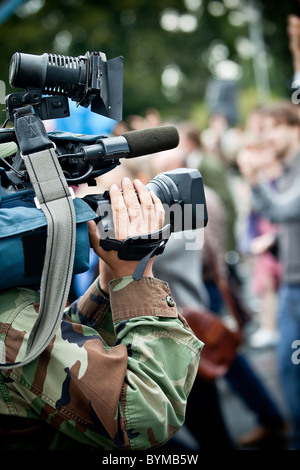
{"type": "Point", "coordinates": [170, 301]}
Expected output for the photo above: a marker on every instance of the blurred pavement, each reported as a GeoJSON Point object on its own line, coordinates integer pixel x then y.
{"type": "Point", "coordinates": [239, 418]}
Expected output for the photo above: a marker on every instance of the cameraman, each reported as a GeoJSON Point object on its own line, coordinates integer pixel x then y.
{"type": "Point", "coordinates": [118, 372]}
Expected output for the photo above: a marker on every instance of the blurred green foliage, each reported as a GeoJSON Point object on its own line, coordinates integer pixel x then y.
{"type": "Point", "coordinates": [133, 29]}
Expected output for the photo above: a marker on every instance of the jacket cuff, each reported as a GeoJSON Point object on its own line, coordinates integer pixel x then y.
{"type": "Point", "coordinates": [146, 297]}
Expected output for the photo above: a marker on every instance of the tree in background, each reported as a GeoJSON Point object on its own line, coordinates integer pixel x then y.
{"type": "Point", "coordinates": [171, 48]}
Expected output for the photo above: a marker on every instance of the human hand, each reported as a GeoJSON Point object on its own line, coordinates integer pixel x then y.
{"type": "Point", "coordinates": [262, 243]}
{"type": "Point", "coordinates": [133, 215]}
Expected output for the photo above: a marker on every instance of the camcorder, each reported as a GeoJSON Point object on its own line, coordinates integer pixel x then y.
{"type": "Point", "coordinates": [44, 236]}
{"type": "Point", "coordinates": [48, 82]}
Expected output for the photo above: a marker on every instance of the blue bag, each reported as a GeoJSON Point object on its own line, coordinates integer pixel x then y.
{"type": "Point", "coordinates": [23, 234]}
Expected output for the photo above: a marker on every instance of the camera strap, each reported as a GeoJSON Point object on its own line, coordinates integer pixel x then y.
{"type": "Point", "coordinates": [140, 248]}
{"type": "Point", "coordinates": [55, 200]}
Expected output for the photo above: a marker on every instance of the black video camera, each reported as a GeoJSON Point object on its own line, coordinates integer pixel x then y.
{"type": "Point", "coordinates": [92, 80]}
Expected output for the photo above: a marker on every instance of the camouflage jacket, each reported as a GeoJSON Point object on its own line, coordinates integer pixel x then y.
{"type": "Point", "coordinates": [115, 376]}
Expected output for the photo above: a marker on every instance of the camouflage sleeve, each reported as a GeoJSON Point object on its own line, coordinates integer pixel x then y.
{"type": "Point", "coordinates": [163, 357]}
{"type": "Point", "coordinates": [93, 309]}
{"type": "Point", "coordinates": [131, 395]}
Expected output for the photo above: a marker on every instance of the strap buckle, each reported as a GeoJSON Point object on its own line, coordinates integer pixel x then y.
{"type": "Point", "coordinates": [37, 203]}
{"type": "Point", "coordinates": [53, 146]}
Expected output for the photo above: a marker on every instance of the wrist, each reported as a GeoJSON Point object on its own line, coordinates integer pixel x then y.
{"type": "Point", "coordinates": [103, 285]}
{"type": "Point", "coordinates": [129, 268]}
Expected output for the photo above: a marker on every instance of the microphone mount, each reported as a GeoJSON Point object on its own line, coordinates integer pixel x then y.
{"type": "Point", "coordinates": [47, 107]}
{"type": "Point", "coordinates": [86, 157]}
{"type": "Point", "coordinates": [109, 148]}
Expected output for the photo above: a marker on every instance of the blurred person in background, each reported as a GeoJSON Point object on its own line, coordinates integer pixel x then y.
{"type": "Point", "coordinates": [282, 206]}
{"type": "Point", "coordinates": [214, 174]}
{"type": "Point", "coordinates": [283, 136]}
{"type": "Point", "coordinates": [258, 237]}
{"type": "Point", "coordinates": [187, 268]}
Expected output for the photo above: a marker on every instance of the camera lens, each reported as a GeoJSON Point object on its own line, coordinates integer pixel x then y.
{"type": "Point", "coordinates": [164, 188]}
{"type": "Point", "coordinates": [182, 194]}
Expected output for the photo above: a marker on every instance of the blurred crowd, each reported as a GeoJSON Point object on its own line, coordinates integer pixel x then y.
{"type": "Point", "coordinates": [251, 176]}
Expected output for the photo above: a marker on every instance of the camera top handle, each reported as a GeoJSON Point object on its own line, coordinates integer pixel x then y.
{"type": "Point", "coordinates": [47, 107]}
